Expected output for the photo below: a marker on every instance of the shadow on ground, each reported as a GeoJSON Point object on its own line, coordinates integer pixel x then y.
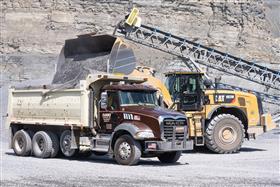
{"type": "Point", "coordinates": [106, 160]}
{"type": "Point", "coordinates": [204, 150]}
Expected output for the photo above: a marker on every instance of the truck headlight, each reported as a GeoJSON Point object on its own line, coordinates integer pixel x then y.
{"type": "Point", "coordinates": [144, 134]}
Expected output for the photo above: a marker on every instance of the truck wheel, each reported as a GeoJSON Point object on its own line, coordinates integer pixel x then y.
{"type": "Point", "coordinates": [42, 144]}
{"type": "Point", "coordinates": [22, 143]}
{"type": "Point", "coordinates": [127, 151]}
{"type": "Point", "coordinates": [224, 134]}
{"type": "Point", "coordinates": [170, 157]}
{"type": "Point", "coordinates": [55, 144]}
{"type": "Point", "coordinates": [65, 144]}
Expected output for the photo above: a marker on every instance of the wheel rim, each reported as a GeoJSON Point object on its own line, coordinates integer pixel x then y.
{"type": "Point", "coordinates": [124, 150]}
{"type": "Point", "coordinates": [66, 146]}
{"type": "Point", "coordinates": [41, 143]}
{"type": "Point", "coordinates": [19, 143]}
{"type": "Point", "coordinates": [227, 135]}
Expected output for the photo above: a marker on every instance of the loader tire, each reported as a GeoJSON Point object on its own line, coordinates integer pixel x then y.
{"type": "Point", "coordinates": [127, 151]}
{"type": "Point", "coordinates": [170, 157]}
{"type": "Point", "coordinates": [65, 145]}
{"type": "Point", "coordinates": [42, 144]}
{"type": "Point", "coordinates": [224, 134]}
{"type": "Point", "coordinates": [55, 144]}
{"type": "Point", "coordinates": [22, 143]}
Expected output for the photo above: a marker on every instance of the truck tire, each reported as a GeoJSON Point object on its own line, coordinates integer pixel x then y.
{"type": "Point", "coordinates": [22, 143]}
{"type": "Point", "coordinates": [42, 144]}
{"type": "Point", "coordinates": [170, 157]}
{"type": "Point", "coordinates": [224, 134]}
{"type": "Point", "coordinates": [65, 144]}
{"type": "Point", "coordinates": [127, 151]}
{"type": "Point", "coordinates": [55, 144]}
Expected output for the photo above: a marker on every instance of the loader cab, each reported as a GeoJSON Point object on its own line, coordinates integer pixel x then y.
{"type": "Point", "coordinates": [186, 89]}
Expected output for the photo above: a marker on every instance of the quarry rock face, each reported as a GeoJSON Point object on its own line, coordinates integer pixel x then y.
{"type": "Point", "coordinates": [33, 32]}
{"type": "Point", "coordinates": [243, 29]}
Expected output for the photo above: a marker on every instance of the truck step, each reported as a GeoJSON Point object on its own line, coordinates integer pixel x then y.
{"type": "Point", "coordinates": [199, 141]}
{"type": "Point", "coordinates": [101, 143]}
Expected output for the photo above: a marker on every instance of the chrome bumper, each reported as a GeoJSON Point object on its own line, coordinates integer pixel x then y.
{"type": "Point", "coordinates": [163, 146]}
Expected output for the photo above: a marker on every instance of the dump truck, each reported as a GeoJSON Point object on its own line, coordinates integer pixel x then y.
{"type": "Point", "coordinates": [114, 114]}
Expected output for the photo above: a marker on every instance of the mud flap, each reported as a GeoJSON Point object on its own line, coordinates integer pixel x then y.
{"type": "Point", "coordinates": [10, 137]}
{"type": "Point", "coordinates": [74, 144]}
{"type": "Point", "coordinates": [267, 122]}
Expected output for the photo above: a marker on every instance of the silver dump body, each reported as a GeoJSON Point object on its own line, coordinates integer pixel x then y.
{"type": "Point", "coordinates": [59, 106]}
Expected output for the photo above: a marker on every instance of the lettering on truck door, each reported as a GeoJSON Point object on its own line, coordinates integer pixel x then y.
{"type": "Point", "coordinates": [109, 117]}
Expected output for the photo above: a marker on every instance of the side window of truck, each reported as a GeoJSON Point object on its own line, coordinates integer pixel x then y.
{"type": "Point", "coordinates": [113, 102]}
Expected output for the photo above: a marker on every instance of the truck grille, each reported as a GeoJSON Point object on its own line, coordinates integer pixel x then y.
{"type": "Point", "coordinates": [170, 124]}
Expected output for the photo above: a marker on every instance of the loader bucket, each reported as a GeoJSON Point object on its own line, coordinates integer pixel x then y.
{"type": "Point", "coordinates": [86, 45]}
{"type": "Point", "coordinates": [89, 54]}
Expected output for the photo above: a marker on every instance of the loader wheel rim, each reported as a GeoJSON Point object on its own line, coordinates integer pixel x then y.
{"type": "Point", "coordinates": [227, 135]}
{"type": "Point", "coordinates": [124, 150]}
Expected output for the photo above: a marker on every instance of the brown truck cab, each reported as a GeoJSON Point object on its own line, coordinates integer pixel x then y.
{"type": "Point", "coordinates": [133, 111]}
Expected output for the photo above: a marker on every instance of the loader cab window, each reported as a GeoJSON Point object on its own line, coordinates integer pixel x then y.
{"type": "Point", "coordinates": [173, 85]}
{"type": "Point", "coordinates": [189, 85]}
{"type": "Point", "coordinates": [187, 89]}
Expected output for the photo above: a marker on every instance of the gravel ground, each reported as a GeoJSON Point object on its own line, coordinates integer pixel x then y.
{"type": "Point", "coordinates": [256, 165]}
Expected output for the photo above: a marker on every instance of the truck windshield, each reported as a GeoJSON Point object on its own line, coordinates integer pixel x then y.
{"type": "Point", "coordinates": [138, 98]}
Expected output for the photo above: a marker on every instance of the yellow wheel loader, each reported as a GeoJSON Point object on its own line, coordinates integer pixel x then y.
{"type": "Point", "coordinates": [218, 118]}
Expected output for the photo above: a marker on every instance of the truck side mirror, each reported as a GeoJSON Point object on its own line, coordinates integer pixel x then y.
{"type": "Point", "coordinates": [104, 100]}
{"type": "Point", "coordinates": [160, 101]}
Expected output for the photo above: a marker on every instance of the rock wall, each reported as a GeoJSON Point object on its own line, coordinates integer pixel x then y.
{"type": "Point", "coordinates": [239, 27]}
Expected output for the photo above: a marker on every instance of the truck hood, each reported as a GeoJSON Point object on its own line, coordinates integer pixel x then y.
{"type": "Point", "coordinates": [152, 111]}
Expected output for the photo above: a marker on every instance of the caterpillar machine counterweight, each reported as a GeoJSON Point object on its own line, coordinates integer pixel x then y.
{"type": "Point", "coordinates": [221, 117]}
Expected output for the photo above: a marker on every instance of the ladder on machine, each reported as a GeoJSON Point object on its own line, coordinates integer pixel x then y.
{"type": "Point", "coordinates": [195, 53]}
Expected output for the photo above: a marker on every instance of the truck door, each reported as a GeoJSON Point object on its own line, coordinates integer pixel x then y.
{"type": "Point", "coordinates": [109, 117]}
